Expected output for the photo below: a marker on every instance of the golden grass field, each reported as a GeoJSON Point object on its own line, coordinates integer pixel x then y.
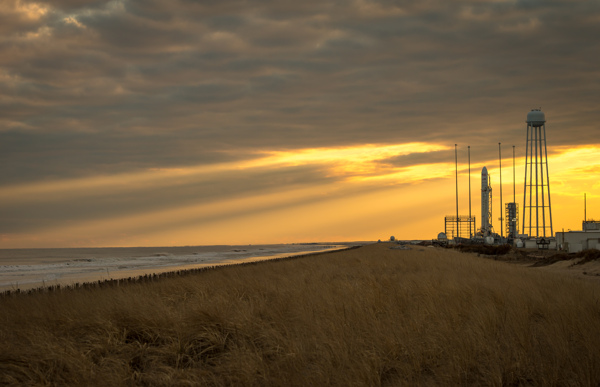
{"type": "Point", "coordinates": [369, 316]}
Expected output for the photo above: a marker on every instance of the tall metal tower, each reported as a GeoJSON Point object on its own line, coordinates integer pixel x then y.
{"type": "Point", "coordinates": [511, 212]}
{"type": "Point", "coordinates": [537, 209]}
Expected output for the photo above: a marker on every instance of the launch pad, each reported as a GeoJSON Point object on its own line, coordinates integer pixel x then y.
{"type": "Point", "coordinates": [537, 211]}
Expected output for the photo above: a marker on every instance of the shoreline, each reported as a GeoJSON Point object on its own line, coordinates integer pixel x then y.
{"type": "Point", "coordinates": [572, 268]}
{"type": "Point", "coordinates": [150, 274]}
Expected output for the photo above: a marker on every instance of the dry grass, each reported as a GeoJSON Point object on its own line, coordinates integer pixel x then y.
{"type": "Point", "coordinates": [485, 249]}
{"type": "Point", "coordinates": [370, 316]}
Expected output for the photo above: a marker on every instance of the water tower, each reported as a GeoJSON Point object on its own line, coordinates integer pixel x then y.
{"type": "Point", "coordinates": [537, 210]}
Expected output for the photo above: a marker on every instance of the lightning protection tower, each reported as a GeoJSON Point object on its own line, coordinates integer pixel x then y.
{"type": "Point", "coordinates": [537, 209]}
{"type": "Point", "coordinates": [511, 212]}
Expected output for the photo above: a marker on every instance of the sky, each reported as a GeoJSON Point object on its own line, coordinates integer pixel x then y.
{"type": "Point", "coordinates": [161, 123]}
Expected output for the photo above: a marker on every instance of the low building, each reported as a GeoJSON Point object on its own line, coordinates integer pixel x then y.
{"type": "Point", "coordinates": [575, 241]}
{"type": "Point", "coordinates": [540, 243]}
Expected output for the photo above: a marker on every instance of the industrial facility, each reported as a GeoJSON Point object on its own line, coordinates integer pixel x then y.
{"type": "Point", "coordinates": [576, 241]}
{"type": "Point", "coordinates": [537, 229]}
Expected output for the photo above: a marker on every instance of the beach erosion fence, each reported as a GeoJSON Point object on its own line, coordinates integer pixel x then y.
{"type": "Point", "coordinates": [145, 278]}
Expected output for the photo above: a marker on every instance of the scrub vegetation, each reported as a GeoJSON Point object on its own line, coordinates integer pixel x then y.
{"type": "Point", "coordinates": [367, 316]}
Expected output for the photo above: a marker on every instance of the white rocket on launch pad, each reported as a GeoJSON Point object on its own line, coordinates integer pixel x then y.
{"type": "Point", "coordinates": [486, 203]}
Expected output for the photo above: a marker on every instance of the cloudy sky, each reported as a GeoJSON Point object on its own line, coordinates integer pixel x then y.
{"type": "Point", "coordinates": [142, 122]}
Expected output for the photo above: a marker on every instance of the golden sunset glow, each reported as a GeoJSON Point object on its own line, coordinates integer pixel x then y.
{"type": "Point", "coordinates": [361, 196]}
{"type": "Point", "coordinates": [131, 123]}
{"type": "Point", "coordinates": [575, 171]}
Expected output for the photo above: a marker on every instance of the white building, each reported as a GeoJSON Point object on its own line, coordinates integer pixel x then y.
{"type": "Point", "coordinates": [575, 241]}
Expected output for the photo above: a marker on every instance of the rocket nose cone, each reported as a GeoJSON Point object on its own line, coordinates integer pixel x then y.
{"type": "Point", "coordinates": [484, 170]}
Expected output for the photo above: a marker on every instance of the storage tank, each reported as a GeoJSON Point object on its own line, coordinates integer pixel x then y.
{"type": "Point", "coordinates": [536, 118]}
{"type": "Point", "coordinates": [518, 243]}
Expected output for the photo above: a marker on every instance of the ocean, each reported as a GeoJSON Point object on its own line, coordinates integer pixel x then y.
{"type": "Point", "coordinates": [31, 268]}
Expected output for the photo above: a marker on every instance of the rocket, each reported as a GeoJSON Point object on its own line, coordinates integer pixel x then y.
{"type": "Point", "coordinates": [486, 196]}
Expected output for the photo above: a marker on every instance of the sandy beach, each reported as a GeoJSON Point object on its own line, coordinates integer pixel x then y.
{"type": "Point", "coordinates": [27, 269]}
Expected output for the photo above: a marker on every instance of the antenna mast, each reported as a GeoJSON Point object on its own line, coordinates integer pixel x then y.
{"type": "Point", "coordinates": [501, 205]}
{"type": "Point", "coordinates": [514, 179]}
{"type": "Point", "coordinates": [456, 169]}
{"type": "Point", "coordinates": [470, 229]}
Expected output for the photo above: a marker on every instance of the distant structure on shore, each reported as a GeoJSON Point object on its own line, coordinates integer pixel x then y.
{"type": "Point", "coordinates": [537, 228]}
{"type": "Point", "coordinates": [486, 203]}
{"type": "Point", "coordinates": [460, 226]}
{"type": "Point", "coordinates": [536, 195]}
{"type": "Point", "coordinates": [576, 241]}
{"type": "Point", "coordinates": [511, 210]}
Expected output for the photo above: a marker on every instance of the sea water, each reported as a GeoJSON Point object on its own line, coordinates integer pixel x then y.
{"type": "Point", "coordinates": [29, 268]}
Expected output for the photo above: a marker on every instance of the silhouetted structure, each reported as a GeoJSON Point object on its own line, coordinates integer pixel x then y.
{"type": "Point", "coordinates": [537, 210]}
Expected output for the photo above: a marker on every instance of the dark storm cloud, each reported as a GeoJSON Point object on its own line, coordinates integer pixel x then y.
{"type": "Point", "coordinates": [44, 154]}
{"type": "Point", "coordinates": [93, 87]}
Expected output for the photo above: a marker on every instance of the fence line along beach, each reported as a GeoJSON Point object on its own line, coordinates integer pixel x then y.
{"type": "Point", "coordinates": [33, 268]}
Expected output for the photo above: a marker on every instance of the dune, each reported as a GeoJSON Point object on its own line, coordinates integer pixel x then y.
{"type": "Point", "coordinates": [367, 316]}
